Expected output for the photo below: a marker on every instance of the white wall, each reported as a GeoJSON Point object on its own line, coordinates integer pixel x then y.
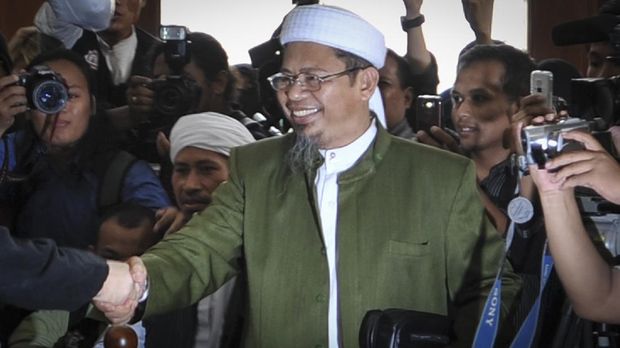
{"type": "Point", "coordinates": [242, 24]}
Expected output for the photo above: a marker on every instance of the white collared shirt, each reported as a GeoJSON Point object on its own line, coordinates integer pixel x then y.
{"type": "Point", "coordinates": [119, 57]}
{"type": "Point", "coordinates": [326, 183]}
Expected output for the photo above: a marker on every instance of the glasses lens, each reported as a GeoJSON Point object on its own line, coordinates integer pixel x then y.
{"type": "Point", "coordinates": [280, 82]}
{"type": "Point", "coordinates": [310, 81]}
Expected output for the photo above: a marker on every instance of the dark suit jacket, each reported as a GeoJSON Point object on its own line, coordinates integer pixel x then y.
{"type": "Point", "coordinates": [108, 94]}
{"type": "Point", "coordinates": [36, 274]}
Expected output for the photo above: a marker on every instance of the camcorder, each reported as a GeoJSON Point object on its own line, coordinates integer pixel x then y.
{"type": "Point", "coordinates": [46, 91]}
{"type": "Point", "coordinates": [541, 143]}
{"type": "Point", "coordinates": [177, 94]}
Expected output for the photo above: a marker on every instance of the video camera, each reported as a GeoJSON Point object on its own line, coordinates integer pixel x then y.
{"type": "Point", "coordinates": [177, 94]}
{"type": "Point", "coordinates": [544, 142]}
{"type": "Point", "coordinates": [46, 91]}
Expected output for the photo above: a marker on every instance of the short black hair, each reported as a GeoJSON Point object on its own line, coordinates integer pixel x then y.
{"type": "Point", "coordinates": [517, 65]}
{"type": "Point", "coordinates": [129, 215]}
{"type": "Point", "coordinates": [351, 61]}
{"type": "Point", "coordinates": [68, 55]}
{"type": "Point", "coordinates": [403, 69]}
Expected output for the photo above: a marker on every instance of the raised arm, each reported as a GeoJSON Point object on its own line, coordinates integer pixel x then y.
{"type": "Point", "coordinates": [592, 285]}
{"type": "Point", "coordinates": [479, 15]}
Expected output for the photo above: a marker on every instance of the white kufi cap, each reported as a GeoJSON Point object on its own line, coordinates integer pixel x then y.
{"type": "Point", "coordinates": [335, 27]}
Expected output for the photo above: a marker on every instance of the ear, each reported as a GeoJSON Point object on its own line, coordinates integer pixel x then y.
{"type": "Point", "coordinates": [369, 78]}
{"type": "Point", "coordinates": [409, 97]}
{"type": "Point", "coordinates": [218, 85]}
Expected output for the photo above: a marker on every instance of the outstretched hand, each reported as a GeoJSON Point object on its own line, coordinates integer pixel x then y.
{"type": "Point", "coordinates": [122, 289]}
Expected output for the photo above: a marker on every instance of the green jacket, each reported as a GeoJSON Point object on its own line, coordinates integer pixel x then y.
{"type": "Point", "coordinates": [412, 233]}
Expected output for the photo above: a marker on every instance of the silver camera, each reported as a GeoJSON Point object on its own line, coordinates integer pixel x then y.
{"type": "Point", "coordinates": [543, 142]}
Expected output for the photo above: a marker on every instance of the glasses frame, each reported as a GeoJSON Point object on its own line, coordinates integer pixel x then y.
{"type": "Point", "coordinates": [295, 79]}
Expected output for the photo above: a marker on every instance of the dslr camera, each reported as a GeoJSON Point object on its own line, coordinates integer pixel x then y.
{"type": "Point", "coordinates": [176, 95]}
{"type": "Point", "coordinates": [544, 142]}
{"type": "Point", "coordinates": [46, 91]}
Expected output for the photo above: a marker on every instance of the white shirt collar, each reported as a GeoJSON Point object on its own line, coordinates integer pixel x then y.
{"type": "Point", "coordinates": [119, 57]}
{"type": "Point", "coordinates": [340, 159]}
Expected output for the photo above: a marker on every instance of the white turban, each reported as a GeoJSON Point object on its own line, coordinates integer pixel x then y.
{"type": "Point", "coordinates": [208, 131]}
{"type": "Point", "coordinates": [335, 27]}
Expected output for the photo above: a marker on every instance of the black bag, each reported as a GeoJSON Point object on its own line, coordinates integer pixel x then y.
{"type": "Point", "coordinates": [401, 328]}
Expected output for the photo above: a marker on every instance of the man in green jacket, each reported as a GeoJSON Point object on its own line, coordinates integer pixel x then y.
{"type": "Point", "coordinates": [338, 218]}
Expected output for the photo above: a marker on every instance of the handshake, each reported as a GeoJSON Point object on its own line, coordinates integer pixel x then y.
{"type": "Point", "coordinates": [122, 290]}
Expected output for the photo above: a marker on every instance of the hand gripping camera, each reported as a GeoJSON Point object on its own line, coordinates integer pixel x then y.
{"type": "Point", "coordinates": [544, 142]}
{"type": "Point", "coordinates": [177, 94]}
{"type": "Point", "coordinates": [46, 91]}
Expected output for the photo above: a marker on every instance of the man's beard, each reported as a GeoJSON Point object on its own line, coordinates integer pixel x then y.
{"type": "Point", "coordinates": [303, 155]}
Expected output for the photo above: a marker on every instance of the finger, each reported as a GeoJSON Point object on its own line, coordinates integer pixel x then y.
{"type": "Point", "coordinates": [569, 158]}
{"type": "Point", "coordinates": [444, 138]}
{"type": "Point", "coordinates": [424, 138]}
{"type": "Point", "coordinates": [163, 145]}
{"type": "Point", "coordinates": [179, 221]}
{"type": "Point", "coordinates": [137, 80]}
{"type": "Point", "coordinates": [8, 80]}
{"type": "Point", "coordinates": [586, 139]}
{"type": "Point", "coordinates": [574, 169]}
{"type": "Point", "coordinates": [164, 220]}
{"type": "Point", "coordinates": [138, 271]}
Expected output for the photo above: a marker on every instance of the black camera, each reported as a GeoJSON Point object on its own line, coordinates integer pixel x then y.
{"type": "Point", "coordinates": [177, 94]}
{"type": "Point", "coordinates": [543, 142]}
{"type": "Point", "coordinates": [596, 99]}
{"type": "Point", "coordinates": [46, 91]}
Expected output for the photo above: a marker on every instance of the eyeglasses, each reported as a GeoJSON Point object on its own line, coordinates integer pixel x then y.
{"type": "Point", "coordinates": [308, 81]}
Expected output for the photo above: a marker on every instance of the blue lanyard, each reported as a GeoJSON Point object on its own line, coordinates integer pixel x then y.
{"type": "Point", "coordinates": [525, 336]}
{"type": "Point", "coordinates": [489, 322]}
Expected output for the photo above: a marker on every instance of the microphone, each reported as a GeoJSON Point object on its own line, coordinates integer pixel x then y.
{"type": "Point", "coordinates": [593, 29]}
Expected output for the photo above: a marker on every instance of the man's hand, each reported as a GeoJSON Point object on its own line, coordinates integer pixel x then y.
{"type": "Point", "coordinates": [139, 95]}
{"type": "Point", "coordinates": [122, 289]}
{"type": "Point", "coordinates": [170, 220]}
{"type": "Point", "coordinates": [439, 138]}
{"type": "Point", "coordinates": [13, 101]}
{"type": "Point", "coordinates": [479, 14]}
{"type": "Point", "coordinates": [593, 168]}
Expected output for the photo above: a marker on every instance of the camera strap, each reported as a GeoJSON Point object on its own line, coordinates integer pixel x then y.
{"type": "Point", "coordinates": [525, 336]}
{"type": "Point", "coordinates": [520, 210]}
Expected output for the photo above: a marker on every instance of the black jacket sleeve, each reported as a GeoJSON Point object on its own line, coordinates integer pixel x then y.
{"type": "Point", "coordinates": [36, 274]}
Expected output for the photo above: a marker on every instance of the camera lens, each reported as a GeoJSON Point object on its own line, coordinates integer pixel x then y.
{"type": "Point", "coordinates": [170, 100]}
{"type": "Point", "coordinates": [50, 96]}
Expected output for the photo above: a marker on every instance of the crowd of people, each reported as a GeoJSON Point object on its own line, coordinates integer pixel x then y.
{"type": "Point", "coordinates": [145, 181]}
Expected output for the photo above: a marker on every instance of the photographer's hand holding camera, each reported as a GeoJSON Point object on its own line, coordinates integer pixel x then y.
{"type": "Point", "coordinates": [13, 101]}
{"type": "Point", "coordinates": [591, 284]}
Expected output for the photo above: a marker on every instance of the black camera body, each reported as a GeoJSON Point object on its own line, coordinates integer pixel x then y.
{"type": "Point", "coordinates": [46, 91]}
{"type": "Point", "coordinates": [544, 142]}
{"type": "Point", "coordinates": [596, 99]}
{"type": "Point", "coordinates": [177, 94]}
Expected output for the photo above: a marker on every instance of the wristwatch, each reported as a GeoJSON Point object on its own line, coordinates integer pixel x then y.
{"type": "Point", "coordinates": [408, 23]}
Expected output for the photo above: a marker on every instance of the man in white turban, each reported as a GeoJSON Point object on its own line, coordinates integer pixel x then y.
{"type": "Point", "coordinates": [337, 218]}
{"type": "Point", "coordinates": [200, 145]}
